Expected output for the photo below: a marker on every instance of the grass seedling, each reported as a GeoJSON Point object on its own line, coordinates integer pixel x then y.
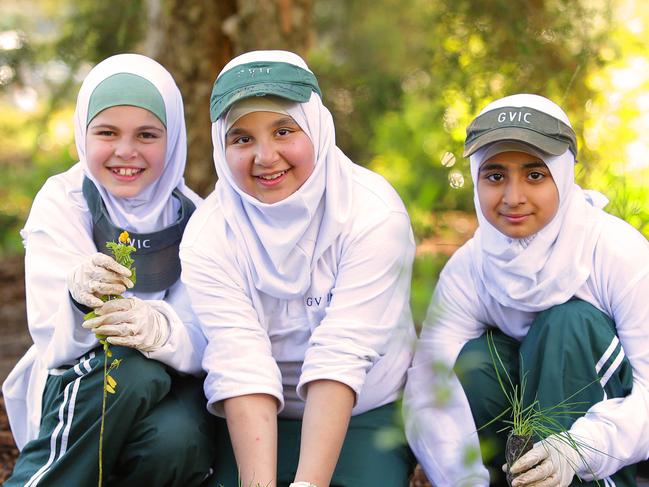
{"type": "Point", "coordinates": [529, 423]}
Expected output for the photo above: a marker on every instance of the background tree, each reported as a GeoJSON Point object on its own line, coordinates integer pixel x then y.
{"type": "Point", "coordinates": [194, 39]}
{"type": "Point", "coordinates": [415, 73]}
{"type": "Point", "coordinates": [403, 78]}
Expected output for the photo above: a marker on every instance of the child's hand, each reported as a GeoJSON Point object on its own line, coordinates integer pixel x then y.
{"type": "Point", "coordinates": [131, 323]}
{"type": "Point", "coordinates": [551, 463]}
{"type": "Point", "coordinates": [97, 276]}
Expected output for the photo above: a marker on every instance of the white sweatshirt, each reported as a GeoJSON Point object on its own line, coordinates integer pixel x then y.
{"type": "Point", "coordinates": [352, 325]}
{"type": "Point", "coordinates": [60, 237]}
{"type": "Point", "coordinates": [462, 310]}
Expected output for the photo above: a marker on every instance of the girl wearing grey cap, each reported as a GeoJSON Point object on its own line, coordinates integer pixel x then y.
{"type": "Point", "coordinates": [298, 266]}
{"type": "Point", "coordinates": [131, 141]}
{"type": "Point", "coordinates": [562, 288]}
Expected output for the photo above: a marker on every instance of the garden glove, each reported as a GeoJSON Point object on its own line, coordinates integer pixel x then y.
{"type": "Point", "coordinates": [97, 276]}
{"type": "Point", "coordinates": [130, 322]}
{"type": "Point", "coordinates": [550, 463]}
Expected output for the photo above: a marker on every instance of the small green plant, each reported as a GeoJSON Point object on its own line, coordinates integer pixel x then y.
{"type": "Point", "coordinates": [122, 251]}
{"type": "Point", "coordinates": [530, 423]}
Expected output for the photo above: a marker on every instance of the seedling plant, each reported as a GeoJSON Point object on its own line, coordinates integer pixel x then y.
{"type": "Point", "coordinates": [121, 251]}
{"type": "Point", "coordinates": [529, 423]}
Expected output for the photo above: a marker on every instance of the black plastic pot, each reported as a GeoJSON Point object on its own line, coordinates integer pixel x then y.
{"type": "Point", "coordinates": [516, 447]}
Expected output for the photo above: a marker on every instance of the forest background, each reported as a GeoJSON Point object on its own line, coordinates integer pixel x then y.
{"type": "Point", "coordinates": [403, 78]}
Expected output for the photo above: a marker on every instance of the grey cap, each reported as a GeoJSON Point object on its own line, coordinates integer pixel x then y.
{"type": "Point", "coordinates": [524, 124]}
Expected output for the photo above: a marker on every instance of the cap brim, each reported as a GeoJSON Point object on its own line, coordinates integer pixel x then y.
{"type": "Point", "coordinates": [541, 142]}
{"type": "Point", "coordinates": [293, 92]}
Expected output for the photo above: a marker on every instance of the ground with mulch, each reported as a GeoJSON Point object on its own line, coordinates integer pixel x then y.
{"type": "Point", "coordinates": [14, 341]}
{"type": "Point", "coordinates": [8, 450]}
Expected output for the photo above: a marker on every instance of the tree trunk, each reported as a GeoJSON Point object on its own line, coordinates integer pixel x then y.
{"type": "Point", "coordinates": [194, 39]}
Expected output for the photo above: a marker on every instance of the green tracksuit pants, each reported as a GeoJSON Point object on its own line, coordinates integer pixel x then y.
{"type": "Point", "coordinates": [363, 461]}
{"type": "Point", "coordinates": [571, 353]}
{"type": "Point", "coordinates": [157, 429]}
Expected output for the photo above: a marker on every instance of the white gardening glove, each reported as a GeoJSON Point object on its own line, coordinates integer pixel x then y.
{"type": "Point", "coordinates": [130, 322]}
{"type": "Point", "coordinates": [550, 463]}
{"type": "Point", "coordinates": [99, 275]}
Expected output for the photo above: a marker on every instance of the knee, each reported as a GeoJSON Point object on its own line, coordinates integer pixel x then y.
{"type": "Point", "coordinates": [475, 364]}
{"type": "Point", "coordinates": [139, 376]}
{"type": "Point", "coordinates": [575, 318]}
{"type": "Point", "coordinates": [168, 460]}
{"type": "Point", "coordinates": [185, 440]}
{"type": "Point", "coordinates": [473, 358]}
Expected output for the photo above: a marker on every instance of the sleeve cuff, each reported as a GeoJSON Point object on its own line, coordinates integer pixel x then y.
{"type": "Point", "coordinates": [215, 402]}
{"type": "Point", "coordinates": [81, 307]}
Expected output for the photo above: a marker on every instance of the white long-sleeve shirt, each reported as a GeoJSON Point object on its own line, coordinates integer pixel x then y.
{"type": "Point", "coordinates": [58, 238]}
{"type": "Point", "coordinates": [353, 324]}
{"type": "Point", "coordinates": [441, 432]}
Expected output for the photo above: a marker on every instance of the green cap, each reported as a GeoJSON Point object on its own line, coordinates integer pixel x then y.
{"type": "Point", "coordinates": [261, 78]}
{"type": "Point", "coordinates": [524, 124]}
{"type": "Point", "coordinates": [126, 89]}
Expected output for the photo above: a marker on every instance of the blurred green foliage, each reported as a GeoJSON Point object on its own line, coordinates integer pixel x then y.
{"type": "Point", "coordinates": [425, 271]}
{"type": "Point", "coordinates": [46, 46]}
{"type": "Point", "coordinates": [402, 78]}
{"type": "Point", "coordinates": [408, 77]}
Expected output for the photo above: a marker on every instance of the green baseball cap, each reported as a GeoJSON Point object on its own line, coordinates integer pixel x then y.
{"type": "Point", "coordinates": [524, 124]}
{"type": "Point", "coordinates": [261, 78]}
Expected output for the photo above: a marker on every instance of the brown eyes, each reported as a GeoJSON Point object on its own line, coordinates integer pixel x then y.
{"type": "Point", "coordinates": [496, 177]}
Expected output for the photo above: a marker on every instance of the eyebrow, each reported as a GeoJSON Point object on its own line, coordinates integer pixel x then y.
{"type": "Point", "coordinates": [115, 127]}
{"type": "Point", "coordinates": [276, 123]}
{"type": "Point", "coordinates": [284, 121]}
{"type": "Point", "coordinates": [529, 165]}
{"type": "Point", "coordinates": [235, 131]}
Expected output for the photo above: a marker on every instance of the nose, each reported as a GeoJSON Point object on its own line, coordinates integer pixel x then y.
{"type": "Point", "coordinates": [514, 193]}
{"type": "Point", "coordinates": [125, 149]}
{"type": "Point", "coordinates": [266, 154]}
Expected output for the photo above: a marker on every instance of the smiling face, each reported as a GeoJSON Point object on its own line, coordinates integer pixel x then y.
{"type": "Point", "coordinates": [125, 149]}
{"type": "Point", "coordinates": [269, 155]}
{"type": "Point", "coordinates": [517, 193]}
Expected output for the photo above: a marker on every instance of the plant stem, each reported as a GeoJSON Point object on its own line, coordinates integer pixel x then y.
{"type": "Point", "coordinates": [103, 417]}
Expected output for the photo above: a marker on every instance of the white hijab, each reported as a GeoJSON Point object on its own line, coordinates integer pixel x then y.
{"type": "Point", "coordinates": [547, 268]}
{"type": "Point", "coordinates": [154, 208]}
{"type": "Point", "coordinates": [282, 241]}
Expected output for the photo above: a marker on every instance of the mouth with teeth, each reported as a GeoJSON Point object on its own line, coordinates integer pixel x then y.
{"type": "Point", "coordinates": [126, 173]}
{"type": "Point", "coordinates": [271, 179]}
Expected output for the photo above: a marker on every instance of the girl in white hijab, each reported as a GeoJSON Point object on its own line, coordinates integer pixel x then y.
{"type": "Point", "coordinates": [298, 266]}
{"type": "Point", "coordinates": [561, 286]}
{"type": "Point", "coordinates": [131, 141]}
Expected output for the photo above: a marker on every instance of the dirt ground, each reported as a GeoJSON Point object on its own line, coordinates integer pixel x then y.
{"type": "Point", "coordinates": [14, 341]}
